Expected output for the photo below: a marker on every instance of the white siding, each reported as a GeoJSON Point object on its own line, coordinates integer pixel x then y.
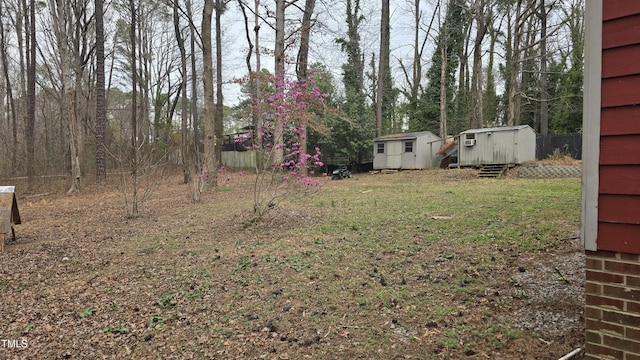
{"type": "Point", "coordinates": [425, 146]}
{"type": "Point", "coordinates": [498, 146]}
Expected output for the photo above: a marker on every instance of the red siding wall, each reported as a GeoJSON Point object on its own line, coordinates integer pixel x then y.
{"type": "Point", "coordinates": [619, 200]}
{"type": "Point", "coordinates": [612, 288]}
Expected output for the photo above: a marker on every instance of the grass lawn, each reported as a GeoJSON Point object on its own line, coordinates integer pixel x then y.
{"type": "Point", "coordinates": [431, 264]}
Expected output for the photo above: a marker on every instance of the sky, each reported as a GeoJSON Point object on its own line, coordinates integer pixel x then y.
{"type": "Point", "coordinates": [331, 25]}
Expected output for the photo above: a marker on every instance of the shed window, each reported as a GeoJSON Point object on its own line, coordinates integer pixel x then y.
{"type": "Point", "coordinates": [380, 148]}
{"type": "Point", "coordinates": [408, 146]}
{"type": "Point", "coordinates": [470, 136]}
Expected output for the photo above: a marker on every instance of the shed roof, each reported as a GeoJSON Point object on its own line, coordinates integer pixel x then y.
{"type": "Point", "coordinates": [7, 189]}
{"type": "Point", "coordinates": [8, 209]}
{"type": "Point", "coordinates": [495, 129]}
{"type": "Point", "coordinates": [404, 136]}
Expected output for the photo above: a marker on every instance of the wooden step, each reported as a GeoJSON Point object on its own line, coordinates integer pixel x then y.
{"type": "Point", "coordinates": [492, 171]}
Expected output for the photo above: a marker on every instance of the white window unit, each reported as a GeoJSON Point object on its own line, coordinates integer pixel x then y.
{"type": "Point", "coordinates": [469, 142]}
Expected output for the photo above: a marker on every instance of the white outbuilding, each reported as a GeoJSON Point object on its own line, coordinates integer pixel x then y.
{"type": "Point", "coordinates": [414, 150]}
{"type": "Point", "coordinates": [497, 145]}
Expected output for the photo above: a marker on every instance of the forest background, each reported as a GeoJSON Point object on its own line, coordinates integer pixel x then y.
{"type": "Point", "coordinates": [90, 86]}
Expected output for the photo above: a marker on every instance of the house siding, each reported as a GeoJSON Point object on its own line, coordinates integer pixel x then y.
{"type": "Point", "coordinates": [612, 288]}
{"type": "Point", "coordinates": [620, 128]}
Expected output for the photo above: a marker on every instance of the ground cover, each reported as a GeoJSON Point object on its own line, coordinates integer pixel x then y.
{"type": "Point", "coordinates": [413, 265]}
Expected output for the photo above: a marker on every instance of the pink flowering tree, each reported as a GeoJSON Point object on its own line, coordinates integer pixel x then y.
{"type": "Point", "coordinates": [284, 168]}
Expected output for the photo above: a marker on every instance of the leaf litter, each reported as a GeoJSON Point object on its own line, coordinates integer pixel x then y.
{"type": "Point", "coordinates": [188, 280]}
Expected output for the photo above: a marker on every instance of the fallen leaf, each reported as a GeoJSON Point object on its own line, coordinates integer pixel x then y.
{"type": "Point", "coordinates": [441, 217]}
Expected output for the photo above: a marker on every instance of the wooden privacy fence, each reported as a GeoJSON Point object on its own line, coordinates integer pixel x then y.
{"type": "Point", "coordinates": [565, 144]}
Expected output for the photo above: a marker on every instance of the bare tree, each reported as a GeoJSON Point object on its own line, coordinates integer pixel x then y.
{"type": "Point", "coordinates": [383, 64]}
{"type": "Point", "coordinates": [184, 116]}
{"type": "Point", "coordinates": [443, 77]}
{"type": "Point", "coordinates": [219, 113]}
{"type": "Point", "coordinates": [12, 103]}
{"type": "Point", "coordinates": [279, 74]}
{"type": "Point", "coordinates": [254, 79]}
{"type": "Point", "coordinates": [302, 65]}
{"type": "Point", "coordinates": [134, 109]}
{"type": "Point", "coordinates": [101, 106]}
{"type": "Point", "coordinates": [524, 9]}
{"type": "Point", "coordinates": [63, 24]}
{"type": "Point", "coordinates": [481, 16]}
{"type": "Point", "coordinates": [209, 165]}
{"type": "Point", "coordinates": [279, 44]}
{"type": "Point", "coordinates": [254, 75]}
{"type": "Point", "coordinates": [194, 87]}
{"type": "Point", "coordinates": [544, 91]}
{"type": "Point", "coordinates": [414, 80]}
{"type": "Point", "coordinates": [31, 92]}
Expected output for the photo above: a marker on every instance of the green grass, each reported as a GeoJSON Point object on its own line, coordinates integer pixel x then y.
{"type": "Point", "coordinates": [526, 213]}
{"type": "Point", "coordinates": [395, 226]}
{"type": "Point", "coordinates": [115, 329]}
{"type": "Point", "coordinates": [411, 250]}
{"type": "Point", "coordinates": [87, 312]}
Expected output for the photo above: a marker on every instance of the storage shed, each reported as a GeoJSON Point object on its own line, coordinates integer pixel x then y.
{"type": "Point", "coordinates": [611, 179]}
{"type": "Point", "coordinates": [414, 150]}
{"type": "Point", "coordinates": [497, 145]}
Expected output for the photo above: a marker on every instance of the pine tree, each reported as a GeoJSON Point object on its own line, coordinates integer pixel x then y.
{"type": "Point", "coordinates": [359, 129]}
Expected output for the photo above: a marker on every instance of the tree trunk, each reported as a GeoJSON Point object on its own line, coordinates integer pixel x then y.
{"type": "Point", "coordinates": [219, 114]}
{"type": "Point", "coordinates": [416, 77]}
{"type": "Point", "coordinates": [145, 60]}
{"type": "Point", "coordinates": [254, 76]}
{"type": "Point", "coordinates": [12, 103]}
{"type": "Point", "coordinates": [258, 121]}
{"type": "Point", "coordinates": [22, 38]}
{"type": "Point", "coordinates": [476, 77]}
{"type": "Point", "coordinates": [544, 91]}
{"type": "Point", "coordinates": [302, 64]}
{"type": "Point", "coordinates": [514, 75]}
{"type": "Point", "coordinates": [462, 98]}
{"type": "Point", "coordinates": [133, 211]}
{"type": "Point", "coordinates": [209, 165]}
{"type": "Point", "coordinates": [184, 130]}
{"type": "Point", "coordinates": [31, 95]}
{"type": "Point", "coordinates": [489, 101]}
{"type": "Point", "coordinates": [101, 106]}
{"type": "Point", "coordinates": [383, 63]}
{"type": "Point", "coordinates": [279, 44]}
{"type": "Point", "coordinates": [443, 92]}
{"type": "Point", "coordinates": [61, 16]}
{"type": "Point", "coordinates": [302, 69]}
{"type": "Point", "coordinates": [194, 89]}
{"type": "Point", "coordinates": [73, 143]}
{"type": "Point", "coordinates": [278, 157]}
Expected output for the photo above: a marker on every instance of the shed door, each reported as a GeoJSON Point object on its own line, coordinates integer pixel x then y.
{"type": "Point", "coordinates": [394, 154]}
{"type": "Point", "coordinates": [500, 148]}
{"type": "Point", "coordinates": [504, 143]}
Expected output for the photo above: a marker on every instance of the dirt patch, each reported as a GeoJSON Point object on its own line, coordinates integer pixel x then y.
{"type": "Point", "coordinates": [198, 280]}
